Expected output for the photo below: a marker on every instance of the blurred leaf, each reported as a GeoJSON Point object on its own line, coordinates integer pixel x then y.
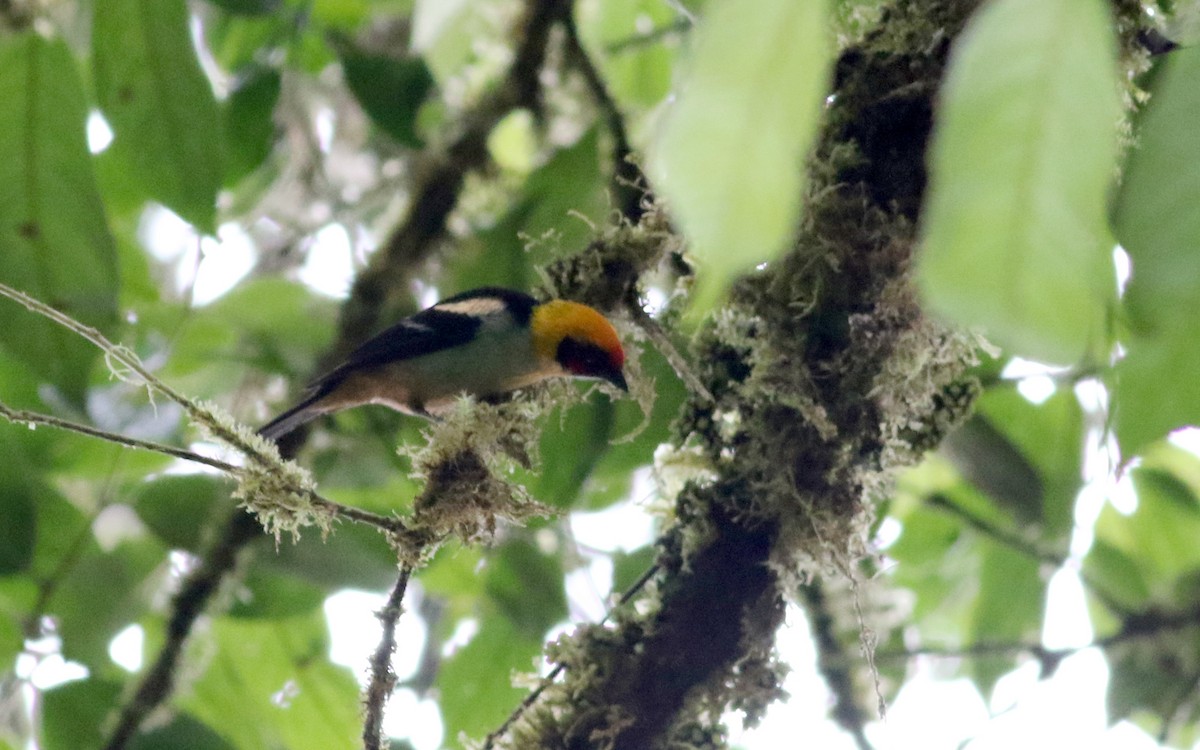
{"type": "Point", "coordinates": [1115, 573]}
{"type": "Point", "coordinates": [1015, 237]}
{"type": "Point", "coordinates": [18, 532]}
{"type": "Point", "coordinates": [180, 509]}
{"type": "Point", "coordinates": [628, 567]}
{"type": "Point", "coordinates": [1157, 224]}
{"type": "Point", "coordinates": [528, 587]}
{"type": "Point", "coordinates": [249, 120]}
{"type": "Point", "coordinates": [1008, 609]}
{"type": "Point", "coordinates": [475, 682]}
{"type": "Point", "coordinates": [1158, 539]}
{"type": "Point", "coordinates": [276, 324]}
{"type": "Point", "coordinates": [100, 594]}
{"type": "Point", "coordinates": [568, 186]}
{"type": "Point", "coordinates": [18, 598]}
{"type": "Point", "coordinates": [183, 732]}
{"type": "Point", "coordinates": [275, 595]}
{"type": "Point", "coordinates": [988, 460]}
{"type": "Point", "coordinates": [353, 556]}
{"type": "Point", "coordinates": [728, 158]}
{"type": "Point", "coordinates": [1047, 439]}
{"type": "Point", "coordinates": [638, 75]}
{"type": "Point", "coordinates": [570, 449]}
{"type": "Point", "coordinates": [74, 714]}
{"type": "Point", "coordinates": [389, 90]}
{"type": "Point", "coordinates": [160, 104]}
{"type": "Point", "coordinates": [54, 239]}
{"type": "Point", "coordinates": [1154, 675]}
{"type": "Point", "coordinates": [270, 684]}
{"type": "Point", "coordinates": [613, 477]}
{"type": "Point", "coordinates": [248, 7]}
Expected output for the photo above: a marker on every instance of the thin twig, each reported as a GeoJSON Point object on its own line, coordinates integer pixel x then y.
{"type": "Point", "coordinates": [123, 356]}
{"type": "Point", "coordinates": [662, 342]}
{"type": "Point", "coordinates": [32, 419]}
{"type": "Point", "coordinates": [20, 416]}
{"type": "Point", "coordinates": [526, 702]}
{"type": "Point", "coordinates": [383, 679]}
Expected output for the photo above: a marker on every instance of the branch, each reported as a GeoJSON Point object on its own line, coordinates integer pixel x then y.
{"type": "Point", "coordinates": [490, 742]}
{"type": "Point", "coordinates": [833, 663]}
{"type": "Point", "coordinates": [383, 679]}
{"type": "Point", "coordinates": [629, 185]}
{"type": "Point", "coordinates": [186, 608]}
{"type": "Point", "coordinates": [32, 419]}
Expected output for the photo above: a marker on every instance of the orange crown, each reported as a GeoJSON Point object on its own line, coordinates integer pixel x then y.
{"type": "Point", "coordinates": [558, 319]}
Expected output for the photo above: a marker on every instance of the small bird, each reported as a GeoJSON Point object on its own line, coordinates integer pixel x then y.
{"type": "Point", "coordinates": [483, 342]}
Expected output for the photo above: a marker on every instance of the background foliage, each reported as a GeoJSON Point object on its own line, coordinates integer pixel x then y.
{"type": "Point", "coordinates": [235, 189]}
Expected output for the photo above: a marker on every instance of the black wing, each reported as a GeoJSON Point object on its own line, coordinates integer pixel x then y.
{"type": "Point", "coordinates": [435, 328]}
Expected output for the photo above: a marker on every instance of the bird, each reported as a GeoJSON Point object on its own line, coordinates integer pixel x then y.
{"type": "Point", "coordinates": [483, 343]}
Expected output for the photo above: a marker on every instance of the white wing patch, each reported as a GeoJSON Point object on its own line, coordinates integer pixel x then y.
{"type": "Point", "coordinates": [478, 307]}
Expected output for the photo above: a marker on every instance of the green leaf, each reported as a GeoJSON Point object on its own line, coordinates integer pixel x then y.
{"type": "Point", "coordinates": [73, 714]}
{"type": "Point", "coordinates": [249, 121]}
{"type": "Point", "coordinates": [988, 460]}
{"type": "Point", "coordinates": [180, 509]}
{"type": "Point", "coordinates": [353, 557]}
{"type": "Point", "coordinates": [528, 587]}
{"type": "Point", "coordinates": [275, 595]}
{"type": "Point", "coordinates": [18, 508]}
{"type": "Point", "coordinates": [1158, 225]}
{"type": "Point", "coordinates": [54, 238]}
{"type": "Point", "coordinates": [628, 567]}
{"type": "Point", "coordinates": [270, 684]}
{"type": "Point", "coordinates": [1049, 440]}
{"type": "Point", "coordinates": [183, 731]}
{"type": "Point", "coordinates": [248, 7]}
{"type": "Point", "coordinates": [570, 185]}
{"type": "Point", "coordinates": [389, 90]}
{"type": "Point", "coordinates": [1157, 542]}
{"type": "Point", "coordinates": [1008, 608]}
{"type": "Point", "coordinates": [570, 449]}
{"type": "Point", "coordinates": [1015, 236]}
{"type": "Point", "coordinates": [729, 157]}
{"type": "Point", "coordinates": [637, 74]}
{"type": "Point", "coordinates": [100, 594]}
{"type": "Point", "coordinates": [165, 119]}
{"type": "Point", "coordinates": [1154, 675]}
{"type": "Point", "coordinates": [475, 682]}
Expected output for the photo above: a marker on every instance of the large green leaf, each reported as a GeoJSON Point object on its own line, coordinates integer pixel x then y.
{"type": "Point", "coordinates": [1008, 609]}
{"type": "Point", "coordinates": [729, 157]}
{"type": "Point", "coordinates": [54, 238]}
{"type": "Point", "coordinates": [1015, 234]}
{"type": "Point", "coordinates": [181, 509]}
{"type": "Point", "coordinates": [527, 585]}
{"type": "Point", "coordinates": [475, 682]}
{"type": "Point", "coordinates": [270, 684]}
{"type": "Point", "coordinates": [249, 120]}
{"type": "Point", "coordinates": [1150, 558]}
{"type": "Point", "coordinates": [1157, 223]}
{"type": "Point", "coordinates": [159, 103]}
{"type": "Point", "coordinates": [73, 714]}
{"type": "Point", "coordinates": [389, 90]}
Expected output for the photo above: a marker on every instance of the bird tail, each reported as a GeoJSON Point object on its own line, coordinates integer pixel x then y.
{"type": "Point", "coordinates": [300, 414]}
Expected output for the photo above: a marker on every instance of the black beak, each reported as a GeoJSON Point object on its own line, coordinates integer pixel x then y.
{"type": "Point", "coordinates": [617, 378]}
